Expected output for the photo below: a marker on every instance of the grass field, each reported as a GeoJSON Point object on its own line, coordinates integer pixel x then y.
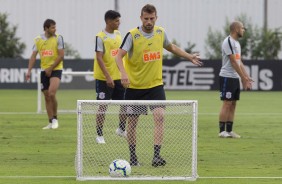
{"type": "Point", "coordinates": [31, 155]}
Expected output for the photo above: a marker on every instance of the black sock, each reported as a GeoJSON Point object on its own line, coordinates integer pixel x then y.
{"type": "Point", "coordinates": [55, 117]}
{"type": "Point", "coordinates": [229, 125]}
{"type": "Point", "coordinates": [50, 120]}
{"type": "Point", "coordinates": [132, 150]}
{"type": "Point", "coordinates": [99, 130]}
{"type": "Point", "coordinates": [157, 149]}
{"type": "Point", "coordinates": [122, 126]}
{"type": "Point", "coordinates": [221, 126]}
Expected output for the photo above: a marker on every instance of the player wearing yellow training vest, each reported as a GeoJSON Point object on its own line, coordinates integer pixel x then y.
{"type": "Point", "coordinates": [110, 43]}
{"type": "Point", "coordinates": [48, 51]}
{"type": "Point", "coordinates": [50, 47]}
{"type": "Point", "coordinates": [146, 59]}
{"type": "Point", "coordinates": [106, 73]}
{"type": "Point", "coordinates": [142, 76]}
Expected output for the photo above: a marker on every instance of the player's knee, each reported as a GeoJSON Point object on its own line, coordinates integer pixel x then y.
{"type": "Point", "coordinates": [228, 104]}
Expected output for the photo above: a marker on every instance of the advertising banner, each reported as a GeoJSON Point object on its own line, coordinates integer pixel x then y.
{"type": "Point", "coordinates": [177, 75]}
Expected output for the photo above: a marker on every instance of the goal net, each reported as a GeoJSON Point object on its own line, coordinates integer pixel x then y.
{"type": "Point", "coordinates": [179, 146]}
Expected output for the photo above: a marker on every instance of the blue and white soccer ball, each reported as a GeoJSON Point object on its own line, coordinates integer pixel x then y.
{"type": "Point", "coordinates": [119, 168]}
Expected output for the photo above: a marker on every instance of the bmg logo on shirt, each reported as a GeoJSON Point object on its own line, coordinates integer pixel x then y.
{"type": "Point", "coordinates": [46, 53]}
{"type": "Point", "coordinates": [151, 56]}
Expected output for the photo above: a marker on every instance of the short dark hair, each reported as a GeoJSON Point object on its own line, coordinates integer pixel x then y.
{"type": "Point", "coordinates": [149, 8]}
{"type": "Point", "coordinates": [111, 14]}
{"type": "Point", "coordinates": [48, 23]}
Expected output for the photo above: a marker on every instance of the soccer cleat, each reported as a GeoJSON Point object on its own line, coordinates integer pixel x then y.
{"type": "Point", "coordinates": [49, 126]}
{"type": "Point", "coordinates": [121, 133]}
{"type": "Point", "coordinates": [100, 140]}
{"type": "Point", "coordinates": [134, 161]}
{"type": "Point", "coordinates": [55, 124]}
{"type": "Point", "coordinates": [158, 161]}
{"type": "Point", "coordinates": [234, 135]}
{"type": "Point", "coordinates": [224, 134]}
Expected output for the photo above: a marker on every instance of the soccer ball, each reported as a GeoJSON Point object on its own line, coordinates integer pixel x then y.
{"type": "Point", "coordinates": [119, 168]}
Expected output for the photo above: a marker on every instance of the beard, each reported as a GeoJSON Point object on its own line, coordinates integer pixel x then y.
{"type": "Point", "coordinates": [148, 28]}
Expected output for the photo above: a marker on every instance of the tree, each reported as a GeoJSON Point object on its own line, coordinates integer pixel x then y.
{"type": "Point", "coordinates": [213, 42]}
{"type": "Point", "coordinates": [70, 52]}
{"type": "Point", "coordinates": [170, 55]}
{"type": "Point", "coordinates": [10, 46]}
{"type": "Point", "coordinates": [269, 45]}
{"type": "Point", "coordinates": [189, 49]}
{"type": "Point", "coordinates": [257, 43]}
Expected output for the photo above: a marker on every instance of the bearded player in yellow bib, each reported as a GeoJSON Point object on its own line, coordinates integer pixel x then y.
{"type": "Point", "coordinates": [50, 47]}
{"type": "Point", "coordinates": [106, 73]}
{"type": "Point", "coordinates": [141, 74]}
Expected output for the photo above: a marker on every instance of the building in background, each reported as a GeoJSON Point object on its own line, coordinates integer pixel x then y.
{"type": "Point", "coordinates": [184, 20]}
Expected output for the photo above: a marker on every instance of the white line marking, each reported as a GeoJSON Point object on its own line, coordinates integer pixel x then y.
{"type": "Point", "coordinates": [208, 177]}
{"type": "Point", "coordinates": [246, 114]}
{"type": "Point", "coordinates": [17, 113]}
{"type": "Point", "coordinates": [239, 177]}
{"type": "Point", "coordinates": [37, 176]}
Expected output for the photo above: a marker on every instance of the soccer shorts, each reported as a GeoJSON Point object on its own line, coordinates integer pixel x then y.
{"type": "Point", "coordinates": [229, 88]}
{"type": "Point", "coordinates": [155, 93]}
{"type": "Point", "coordinates": [104, 92]}
{"type": "Point", "coordinates": [45, 81]}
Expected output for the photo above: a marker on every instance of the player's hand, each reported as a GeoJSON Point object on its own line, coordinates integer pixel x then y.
{"type": "Point", "coordinates": [110, 82]}
{"type": "Point", "coordinates": [250, 80]}
{"type": "Point", "coordinates": [48, 72]}
{"type": "Point", "coordinates": [247, 83]}
{"type": "Point", "coordinates": [196, 59]}
{"type": "Point", "coordinates": [249, 86]}
{"type": "Point", "coordinates": [124, 81]}
{"type": "Point", "coordinates": [250, 83]}
{"type": "Point", "coordinates": [27, 77]}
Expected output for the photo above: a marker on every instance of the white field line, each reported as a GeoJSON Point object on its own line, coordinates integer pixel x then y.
{"type": "Point", "coordinates": [208, 177]}
{"type": "Point", "coordinates": [34, 177]}
{"type": "Point", "coordinates": [241, 177]}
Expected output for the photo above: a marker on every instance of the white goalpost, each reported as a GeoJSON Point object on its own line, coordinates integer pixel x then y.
{"type": "Point", "coordinates": [179, 146]}
{"type": "Point", "coordinates": [65, 73]}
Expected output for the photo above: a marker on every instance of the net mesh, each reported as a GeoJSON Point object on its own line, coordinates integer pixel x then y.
{"type": "Point", "coordinates": [179, 120]}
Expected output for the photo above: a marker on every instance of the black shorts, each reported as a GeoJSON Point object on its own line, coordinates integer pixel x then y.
{"type": "Point", "coordinates": [45, 81]}
{"type": "Point", "coordinates": [104, 92]}
{"type": "Point", "coordinates": [155, 93]}
{"type": "Point", "coordinates": [229, 88]}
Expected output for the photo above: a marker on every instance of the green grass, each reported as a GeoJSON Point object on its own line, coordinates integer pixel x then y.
{"type": "Point", "coordinates": [26, 150]}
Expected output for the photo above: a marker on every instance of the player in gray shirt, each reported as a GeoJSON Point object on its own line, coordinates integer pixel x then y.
{"type": "Point", "coordinates": [232, 69]}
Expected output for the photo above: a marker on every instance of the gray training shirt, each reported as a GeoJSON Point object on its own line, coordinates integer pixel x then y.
{"type": "Point", "coordinates": [229, 46]}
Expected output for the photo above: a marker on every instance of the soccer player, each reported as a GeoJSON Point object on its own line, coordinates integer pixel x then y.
{"type": "Point", "coordinates": [50, 47]}
{"type": "Point", "coordinates": [142, 76]}
{"type": "Point", "coordinates": [232, 68]}
{"type": "Point", "coordinates": [106, 73]}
